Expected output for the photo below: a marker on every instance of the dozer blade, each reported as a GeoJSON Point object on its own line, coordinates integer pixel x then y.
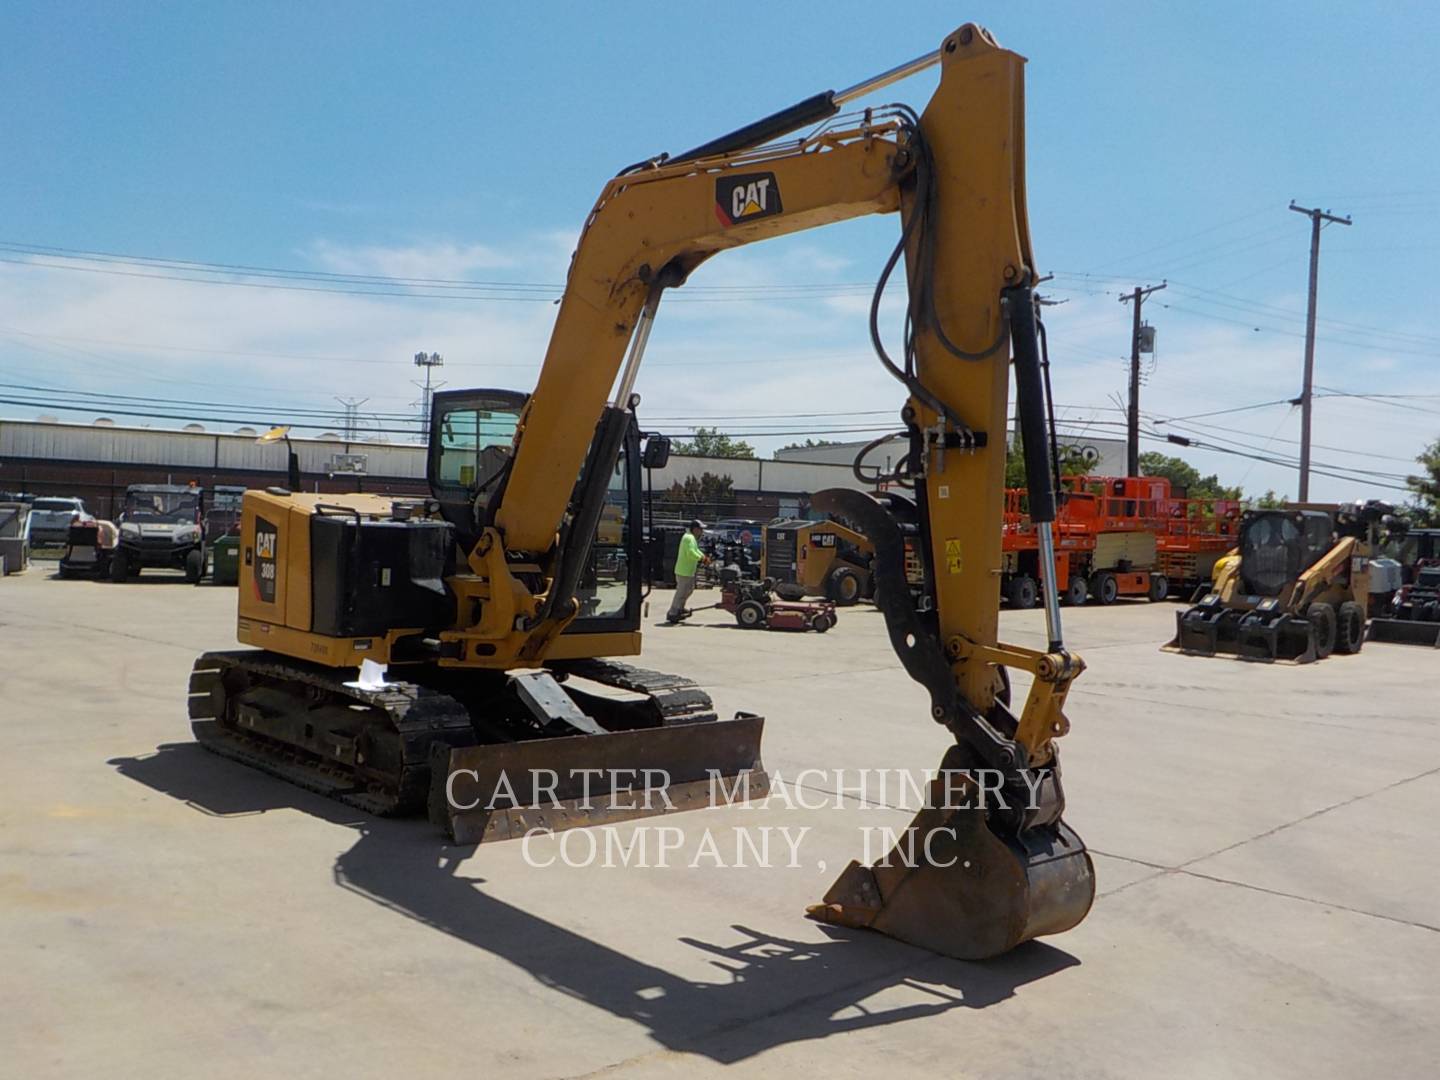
{"type": "Point", "coordinates": [502, 791]}
{"type": "Point", "coordinates": [953, 886]}
{"type": "Point", "coordinates": [1404, 632]}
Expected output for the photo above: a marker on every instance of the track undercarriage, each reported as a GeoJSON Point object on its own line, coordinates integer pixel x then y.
{"type": "Point", "coordinates": [377, 748]}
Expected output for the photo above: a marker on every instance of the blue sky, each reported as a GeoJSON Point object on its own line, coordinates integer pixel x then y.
{"type": "Point", "coordinates": [468, 141]}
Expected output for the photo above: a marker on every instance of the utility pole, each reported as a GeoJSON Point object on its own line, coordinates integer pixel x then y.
{"type": "Point", "coordinates": [428, 361]}
{"type": "Point", "coordinates": [1132, 417]}
{"type": "Point", "coordinates": [1317, 219]}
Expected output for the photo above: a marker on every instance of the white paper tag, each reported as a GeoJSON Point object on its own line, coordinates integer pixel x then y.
{"type": "Point", "coordinates": [372, 676]}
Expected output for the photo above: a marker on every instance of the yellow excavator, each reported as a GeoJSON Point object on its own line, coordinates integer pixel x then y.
{"type": "Point", "coordinates": [490, 613]}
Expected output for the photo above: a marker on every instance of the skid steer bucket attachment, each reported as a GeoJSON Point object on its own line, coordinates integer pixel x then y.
{"type": "Point", "coordinates": [1211, 630]}
{"type": "Point", "coordinates": [502, 791]}
{"type": "Point", "coordinates": [1404, 632]}
{"type": "Point", "coordinates": [954, 886]}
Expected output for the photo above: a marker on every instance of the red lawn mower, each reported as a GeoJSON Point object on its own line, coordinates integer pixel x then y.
{"type": "Point", "coordinates": [756, 607]}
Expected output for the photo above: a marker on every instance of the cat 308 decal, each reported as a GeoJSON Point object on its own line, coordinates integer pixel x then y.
{"type": "Point", "coordinates": [747, 197]}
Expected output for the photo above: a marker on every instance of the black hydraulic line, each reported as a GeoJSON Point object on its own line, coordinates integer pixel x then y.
{"type": "Point", "coordinates": [805, 113]}
{"type": "Point", "coordinates": [812, 110]}
{"type": "Point", "coordinates": [1030, 401]}
{"type": "Point", "coordinates": [906, 374]}
{"type": "Point", "coordinates": [1049, 403]}
{"type": "Point", "coordinates": [923, 305]}
{"type": "Point", "coordinates": [858, 464]}
{"type": "Point", "coordinates": [579, 534]}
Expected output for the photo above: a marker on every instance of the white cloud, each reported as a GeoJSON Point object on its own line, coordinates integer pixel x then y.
{"type": "Point", "coordinates": [712, 355]}
{"type": "Point", "coordinates": [432, 260]}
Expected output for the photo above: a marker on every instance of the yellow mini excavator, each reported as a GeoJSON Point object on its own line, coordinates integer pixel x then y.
{"type": "Point", "coordinates": [496, 606]}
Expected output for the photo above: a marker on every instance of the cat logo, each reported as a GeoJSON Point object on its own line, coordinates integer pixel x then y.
{"type": "Point", "coordinates": [267, 547]}
{"type": "Point", "coordinates": [746, 198]}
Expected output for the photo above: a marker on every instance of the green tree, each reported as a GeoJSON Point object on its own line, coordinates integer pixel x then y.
{"type": "Point", "coordinates": [1425, 488]}
{"type": "Point", "coordinates": [809, 444]}
{"type": "Point", "coordinates": [1070, 464]}
{"type": "Point", "coordinates": [1269, 501]}
{"type": "Point", "coordinates": [699, 496]}
{"type": "Point", "coordinates": [710, 442]}
{"type": "Point", "coordinates": [1185, 477]}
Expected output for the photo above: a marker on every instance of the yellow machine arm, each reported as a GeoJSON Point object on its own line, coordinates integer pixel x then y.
{"type": "Point", "coordinates": [956, 174]}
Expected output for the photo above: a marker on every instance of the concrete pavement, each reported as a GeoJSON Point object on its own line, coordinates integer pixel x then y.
{"type": "Point", "coordinates": [1269, 891]}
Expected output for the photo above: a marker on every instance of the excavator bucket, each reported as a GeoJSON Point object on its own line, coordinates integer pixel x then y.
{"type": "Point", "coordinates": [952, 885]}
{"type": "Point", "coordinates": [1404, 632]}
{"type": "Point", "coordinates": [1212, 629]}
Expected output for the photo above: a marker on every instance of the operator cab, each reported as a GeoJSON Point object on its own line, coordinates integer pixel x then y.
{"type": "Point", "coordinates": [472, 436]}
{"type": "Point", "coordinates": [1277, 546]}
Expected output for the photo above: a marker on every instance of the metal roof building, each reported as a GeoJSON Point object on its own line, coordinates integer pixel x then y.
{"type": "Point", "coordinates": [98, 461]}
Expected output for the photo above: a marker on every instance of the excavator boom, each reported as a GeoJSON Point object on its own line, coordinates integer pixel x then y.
{"type": "Point", "coordinates": [956, 176]}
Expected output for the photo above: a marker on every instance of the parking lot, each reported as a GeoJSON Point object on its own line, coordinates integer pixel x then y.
{"type": "Point", "coordinates": [1269, 897]}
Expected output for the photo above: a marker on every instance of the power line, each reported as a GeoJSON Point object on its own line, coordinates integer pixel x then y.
{"type": "Point", "coordinates": [1186, 238]}
{"type": "Point", "coordinates": [1380, 400]}
{"type": "Point", "coordinates": [1338, 472]}
{"type": "Point", "coordinates": [314, 281]}
{"type": "Point", "coordinates": [1226, 412]}
{"type": "Point", "coordinates": [1206, 428]}
{"type": "Point", "coordinates": [1240, 303]}
{"type": "Point", "coordinates": [251, 270]}
{"type": "Point", "coordinates": [101, 398]}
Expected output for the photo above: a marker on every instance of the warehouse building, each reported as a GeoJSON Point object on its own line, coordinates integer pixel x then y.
{"type": "Point", "coordinates": [96, 462]}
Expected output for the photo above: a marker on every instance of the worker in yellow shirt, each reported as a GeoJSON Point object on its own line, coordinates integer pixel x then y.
{"type": "Point", "coordinates": [687, 560]}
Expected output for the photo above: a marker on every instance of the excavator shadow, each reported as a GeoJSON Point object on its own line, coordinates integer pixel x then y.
{"type": "Point", "coordinates": [770, 990]}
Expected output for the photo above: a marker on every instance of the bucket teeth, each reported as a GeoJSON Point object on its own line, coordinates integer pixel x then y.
{"type": "Point", "coordinates": [954, 886]}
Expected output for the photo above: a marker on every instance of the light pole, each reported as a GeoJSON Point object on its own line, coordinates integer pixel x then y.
{"type": "Point", "coordinates": [428, 361]}
{"type": "Point", "coordinates": [275, 434]}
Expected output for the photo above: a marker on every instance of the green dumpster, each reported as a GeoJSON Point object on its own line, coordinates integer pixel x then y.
{"type": "Point", "coordinates": [225, 561]}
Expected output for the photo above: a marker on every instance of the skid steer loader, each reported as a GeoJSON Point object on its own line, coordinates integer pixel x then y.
{"type": "Point", "coordinates": [1413, 617]}
{"type": "Point", "coordinates": [1296, 589]}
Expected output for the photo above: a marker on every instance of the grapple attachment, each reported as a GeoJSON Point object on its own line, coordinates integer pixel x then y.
{"type": "Point", "coordinates": [1210, 629]}
{"type": "Point", "coordinates": [955, 886]}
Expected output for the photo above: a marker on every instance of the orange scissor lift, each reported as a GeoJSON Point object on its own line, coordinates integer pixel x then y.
{"type": "Point", "coordinates": [1197, 533]}
{"type": "Point", "coordinates": [1117, 537]}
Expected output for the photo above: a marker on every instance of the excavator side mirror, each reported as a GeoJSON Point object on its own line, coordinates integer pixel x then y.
{"type": "Point", "coordinates": [656, 454]}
